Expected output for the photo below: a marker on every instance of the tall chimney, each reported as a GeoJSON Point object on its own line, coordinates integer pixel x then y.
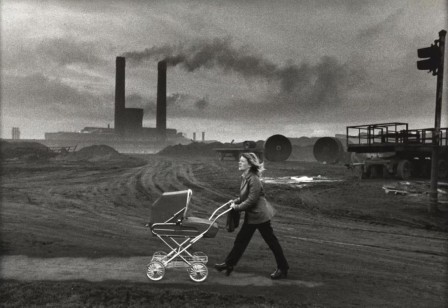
{"type": "Point", "coordinates": [120, 95]}
{"type": "Point", "coordinates": [161, 99]}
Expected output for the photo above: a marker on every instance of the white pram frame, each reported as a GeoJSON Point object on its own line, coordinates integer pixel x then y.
{"type": "Point", "coordinates": [179, 256]}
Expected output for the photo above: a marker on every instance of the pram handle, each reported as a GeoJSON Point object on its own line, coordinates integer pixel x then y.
{"type": "Point", "coordinates": [212, 220]}
{"type": "Point", "coordinates": [225, 204]}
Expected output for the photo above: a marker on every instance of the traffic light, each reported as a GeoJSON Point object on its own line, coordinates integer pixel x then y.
{"type": "Point", "coordinates": [433, 58]}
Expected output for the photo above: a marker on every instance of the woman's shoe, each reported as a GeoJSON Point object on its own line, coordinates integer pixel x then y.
{"type": "Point", "coordinates": [220, 267]}
{"type": "Point", "coordinates": [279, 274]}
{"type": "Point", "coordinates": [229, 270]}
{"type": "Point", "coordinates": [223, 266]}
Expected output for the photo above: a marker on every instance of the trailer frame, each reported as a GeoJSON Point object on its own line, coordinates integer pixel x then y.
{"type": "Point", "coordinates": [401, 151]}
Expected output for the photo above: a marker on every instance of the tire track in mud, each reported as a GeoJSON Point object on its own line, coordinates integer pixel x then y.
{"type": "Point", "coordinates": [138, 186]}
{"type": "Point", "coordinates": [191, 177]}
{"type": "Point", "coordinates": [337, 252]}
{"type": "Point", "coordinates": [160, 177]}
{"type": "Point", "coordinates": [165, 175]}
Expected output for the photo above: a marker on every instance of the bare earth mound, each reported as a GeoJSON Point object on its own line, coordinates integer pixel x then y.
{"type": "Point", "coordinates": [197, 149]}
{"type": "Point", "coordinates": [96, 153]}
{"type": "Point", "coordinates": [24, 150]}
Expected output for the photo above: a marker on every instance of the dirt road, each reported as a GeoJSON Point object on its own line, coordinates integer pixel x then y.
{"type": "Point", "coordinates": [124, 269]}
{"type": "Point", "coordinates": [347, 242]}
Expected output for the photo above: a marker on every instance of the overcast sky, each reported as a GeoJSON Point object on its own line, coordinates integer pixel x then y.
{"type": "Point", "coordinates": [242, 70]}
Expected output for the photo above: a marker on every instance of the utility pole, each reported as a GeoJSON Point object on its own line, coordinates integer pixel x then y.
{"type": "Point", "coordinates": [434, 63]}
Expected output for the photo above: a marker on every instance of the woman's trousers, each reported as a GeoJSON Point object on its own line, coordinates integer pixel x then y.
{"type": "Point", "coordinates": [244, 236]}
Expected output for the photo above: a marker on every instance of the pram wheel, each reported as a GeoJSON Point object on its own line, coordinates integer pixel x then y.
{"type": "Point", "coordinates": [198, 271]}
{"type": "Point", "coordinates": [155, 270]}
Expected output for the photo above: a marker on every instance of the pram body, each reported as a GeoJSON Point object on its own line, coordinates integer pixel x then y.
{"type": "Point", "coordinates": [172, 223]}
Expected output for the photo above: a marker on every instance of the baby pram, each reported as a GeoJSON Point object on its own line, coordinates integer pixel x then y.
{"type": "Point", "coordinates": [173, 224]}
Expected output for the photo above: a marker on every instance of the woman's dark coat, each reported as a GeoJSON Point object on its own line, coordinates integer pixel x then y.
{"type": "Point", "coordinates": [252, 200]}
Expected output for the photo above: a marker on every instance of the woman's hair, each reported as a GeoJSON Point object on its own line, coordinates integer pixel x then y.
{"type": "Point", "coordinates": [255, 165]}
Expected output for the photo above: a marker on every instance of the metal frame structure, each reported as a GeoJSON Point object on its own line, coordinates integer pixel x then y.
{"type": "Point", "coordinates": [409, 150]}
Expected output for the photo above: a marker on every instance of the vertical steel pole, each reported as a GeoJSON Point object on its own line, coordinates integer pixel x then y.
{"type": "Point", "coordinates": [436, 138]}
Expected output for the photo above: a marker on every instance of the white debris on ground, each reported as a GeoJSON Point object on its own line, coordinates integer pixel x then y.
{"type": "Point", "coordinates": [415, 188]}
{"type": "Point", "coordinates": [300, 181]}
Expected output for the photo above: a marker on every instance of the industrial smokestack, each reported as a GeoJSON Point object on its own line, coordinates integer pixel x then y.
{"type": "Point", "coordinates": [15, 133]}
{"type": "Point", "coordinates": [203, 136]}
{"type": "Point", "coordinates": [120, 100]}
{"type": "Point", "coordinates": [161, 99]}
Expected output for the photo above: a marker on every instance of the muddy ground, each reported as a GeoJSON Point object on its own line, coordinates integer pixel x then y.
{"type": "Point", "coordinates": [73, 234]}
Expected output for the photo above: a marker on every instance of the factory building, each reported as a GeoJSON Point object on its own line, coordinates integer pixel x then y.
{"type": "Point", "coordinates": [128, 134]}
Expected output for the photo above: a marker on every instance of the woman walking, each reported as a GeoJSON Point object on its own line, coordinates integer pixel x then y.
{"type": "Point", "coordinates": [258, 215]}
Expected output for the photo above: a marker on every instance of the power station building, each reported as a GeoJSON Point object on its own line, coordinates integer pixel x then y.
{"type": "Point", "coordinates": [128, 134]}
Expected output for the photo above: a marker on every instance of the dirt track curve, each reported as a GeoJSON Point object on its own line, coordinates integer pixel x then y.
{"type": "Point", "coordinates": [82, 221]}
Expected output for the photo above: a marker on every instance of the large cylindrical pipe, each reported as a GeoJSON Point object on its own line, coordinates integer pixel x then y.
{"type": "Point", "coordinates": [277, 148]}
{"type": "Point", "coordinates": [161, 98]}
{"type": "Point", "coordinates": [120, 100]}
{"type": "Point", "coordinates": [329, 150]}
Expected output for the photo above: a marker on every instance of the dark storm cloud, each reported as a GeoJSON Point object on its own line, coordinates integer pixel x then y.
{"type": "Point", "coordinates": [221, 54]}
{"type": "Point", "coordinates": [135, 100]}
{"type": "Point", "coordinates": [65, 51]}
{"type": "Point", "coordinates": [42, 56]}
{"type": "Point", "coordinates": [37, 95]}
{"type": "Point", "coordinates": [175, 99]}
{"type": "Point", "coordinates": [349, 5]}
{"type": "Point", "coordinates": [331, 78]}
{"type": "Point", "coordinates": [413, 91]}
{"type": "Point", "coordinates": [383, 27]}
{"type": "Point", "coordinates": [354, 6]}
{"type": "Point", "coordinates": [202, 103]}
{"type": "Point", "coordinates": [305, 89]}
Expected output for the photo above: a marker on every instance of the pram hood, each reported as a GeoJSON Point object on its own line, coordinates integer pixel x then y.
{"type": "Point", "coordinates": [165, 208]}
{"type": "Point", "coordinates": [171, 216]}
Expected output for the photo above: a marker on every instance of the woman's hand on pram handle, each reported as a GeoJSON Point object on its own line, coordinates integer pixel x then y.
{"type": "Point", "coordinates": [223, 209]}
{"type": "Point", "coordinates": [233, 202]}
{"type": "Point", "coordinates": [232, 205]}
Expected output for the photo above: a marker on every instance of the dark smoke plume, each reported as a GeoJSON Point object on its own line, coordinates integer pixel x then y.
{"type": "Point", "coordinates": [202, 103]}
{"type": "Point", "coordinates": [219, 53]}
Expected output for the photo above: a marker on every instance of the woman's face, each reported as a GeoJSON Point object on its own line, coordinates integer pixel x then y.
{"type": "Point", "coordinates": [243, 164]}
